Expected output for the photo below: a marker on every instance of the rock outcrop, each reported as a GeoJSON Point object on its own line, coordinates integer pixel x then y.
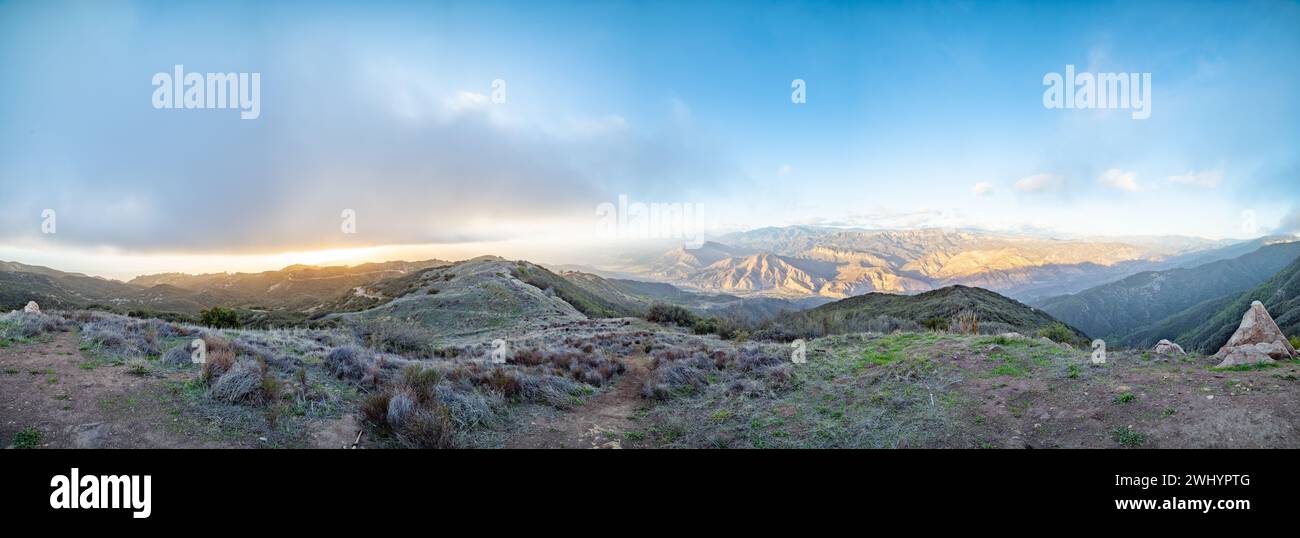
{"type": "Point", "coordinates": [1257, 340]}
{"type": "Point", "coordinates": [1165, 347]}
{"type": "Point", "coordinates": [32, 307]}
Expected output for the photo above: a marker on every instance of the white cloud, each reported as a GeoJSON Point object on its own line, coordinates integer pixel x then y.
{"type": "Point", "coordinates": [982, 188]}
{"type": "Point", "coordinates": [1120, 179]}
{"type": "Point", "coordinates": [784, 170]}
{"type": "Point", "coordinates": [1205, 178]}
{"type": "Point", "coordinates": [1040, 183]}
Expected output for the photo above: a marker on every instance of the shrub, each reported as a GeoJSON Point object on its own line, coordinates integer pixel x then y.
{"type": "Point", "coordinates": [885, 324]}
{"type": "Point", "coordinates": [1058, 332]}
{"type": "Point", "coordinates": [28, 437]}
{"type": "Point", "coordinates": [218, 362]}
{"type": "Point", "coordinates": [241, 384]}
{"type": "Point", "coordinates": [421, 381]}
{"type": "Point", "coordinates": [705, 326]}
{"type": "Point", "coordinates": [348, 362]}
{"type": "Point", "coordinates": [375, 408]}
{"type": "Point", "coordinates": [177, 357]}
{"type": "Point", "coordinates": [666, 313]}
{"type": "Point", "coordinates": [137, 366]}
{"type": "Point", "coordinates": [220, 318]}
{"type": "Point", "coordinates": [1295, 342]}
{"type": "Point", "coordinates": [935, 324]}
{"type": "Point", "coordinates": [24, 325]}
{"type": "Point", "coordinates": [428, 428]}
{"type": "Point", "coordinates": [401, 406]}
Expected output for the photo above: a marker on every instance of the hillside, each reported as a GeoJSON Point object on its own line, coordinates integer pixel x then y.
{"type": "Point", "coordinates": [296, 287]}
{"type": "Point", "coordinates": [883, 312]}
{"type": "Point", "coordinates": [1115, 310]}
{"type": "Point", "coordinates": [1207, 326]}
{"type": "Point", "coordinates": [478, 298]}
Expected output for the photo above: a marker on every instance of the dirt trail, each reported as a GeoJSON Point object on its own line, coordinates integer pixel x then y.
{"type": "Point", "coordinates": [602, 422]}
{"type": "Point", "coordinates": [43, 386]}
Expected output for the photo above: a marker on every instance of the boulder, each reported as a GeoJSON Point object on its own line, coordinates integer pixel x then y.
{"type": "Point", "coordinates": [32, 307]}
{"type": "Point", "coordinates": [1012, 335]}
{"type": "Point", "coordinates": [92, 435]}
{"type": "Point", "coordinates": [1165, 347]}
{"type": "Point", "coordinates": [1257, 340]}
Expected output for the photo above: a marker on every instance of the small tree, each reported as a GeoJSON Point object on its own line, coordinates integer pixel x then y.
{"type": "Point", "coordinates": [1058, 332]}
{"type": "Point", "coordinates": [936, 324]}
{"type": "Point", "coordinates": [220, 318]}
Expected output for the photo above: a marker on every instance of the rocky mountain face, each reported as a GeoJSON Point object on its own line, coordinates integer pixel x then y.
{"type": "Point", "coordinates": [836, 263]}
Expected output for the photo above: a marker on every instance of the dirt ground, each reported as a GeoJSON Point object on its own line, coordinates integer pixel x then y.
{"type": "Point", "coordinates": [1149, 403]}
{"type": "Point", "coordinates": [603, 422]}
{"type": "Point", "coordinates": [1130, 402]}
{"type": "Point", "coordinates": [42, 385]}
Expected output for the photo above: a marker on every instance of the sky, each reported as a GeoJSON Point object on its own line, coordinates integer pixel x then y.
{"type": "Point", "coordinates": [455, 129]}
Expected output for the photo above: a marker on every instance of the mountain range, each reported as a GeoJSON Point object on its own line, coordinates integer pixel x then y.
{"type": "Point", "coordinates": [1121, 311]}
{"type": "Point", "coordinates": [803, 261]}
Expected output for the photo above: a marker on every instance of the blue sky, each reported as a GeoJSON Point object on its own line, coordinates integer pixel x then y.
{"type": "Point", "coordinates": [384, 108]}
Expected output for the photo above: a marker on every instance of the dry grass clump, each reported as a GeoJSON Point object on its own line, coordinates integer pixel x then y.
{"type": "Point", "coordinates": [20, 325]}
{"type": "Point", "coordinates": [409, 410]}
{"type": "Point", "coordinates": [965, 322]}
{"type": "Point", "coordinates": [362, 366]}
{"type": "Point", "coordinates": [595, 370]}
{"type": "Point", "coordinates": [178, 356]}
{"type": "Point", "coordinates": [220, 358]}
{"type": "Point", "coordinates": [679, 371]}
{"type": "Point", "coordinates": [241, 383]}
{"type": "Point", "coordinates": [121, 337]}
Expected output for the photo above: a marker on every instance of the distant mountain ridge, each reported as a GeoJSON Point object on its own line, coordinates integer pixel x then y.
{"type": "Point", "coordinates": [1117, 310]}
{"type": "Point", "coordinates": [801, 261]}
{"type": "Point", "coordinates": [296, 288]}
{"type": "Point", "coordinates": [1207, 326]}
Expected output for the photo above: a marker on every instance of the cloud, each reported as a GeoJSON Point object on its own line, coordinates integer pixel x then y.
{"type": "Point", "coordinates": [784, 170]}
{"type": "Point", "coordinates": [1040, 183]}
{"type": "Point", "coordinates": [1120, 179]}
{"type": "Point", "coordinates": [1290, 223]}
{"type": "Point", "coordinates": [417, 166]}
{"type": "Point", "coordinates": [982, 188]}
{"type": "Point", "coordinates": [1205, 179]}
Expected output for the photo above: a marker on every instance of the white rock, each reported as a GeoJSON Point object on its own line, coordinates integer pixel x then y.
{"type": "Point", "coordinates": [32, 307]}
{"type": "Point", "coordinates": [1165, 347]}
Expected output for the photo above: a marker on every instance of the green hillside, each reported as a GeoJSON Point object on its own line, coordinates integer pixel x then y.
{"type": "Point", "coordinates": [1220, 318]}
{"type": "Point", "coordinates": [881, 312]}
{"type": "Point", "coordinates": [1115, 310]}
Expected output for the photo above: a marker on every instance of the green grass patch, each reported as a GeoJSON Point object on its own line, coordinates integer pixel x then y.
{"type": "Point", "coordinates": [28, 437]}
{"type": "Point", "coordinates": [1124, 398]}
{"type": "Point", "coordinates": [1128, 437]}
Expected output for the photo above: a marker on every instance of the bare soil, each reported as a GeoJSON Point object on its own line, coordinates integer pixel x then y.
{"type": "Point", "coordinates": [606, 421]}
{"type": "Point", "coordinates": [43, 386]}
{"type": "Point", "coordinates": [1163, 403]}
